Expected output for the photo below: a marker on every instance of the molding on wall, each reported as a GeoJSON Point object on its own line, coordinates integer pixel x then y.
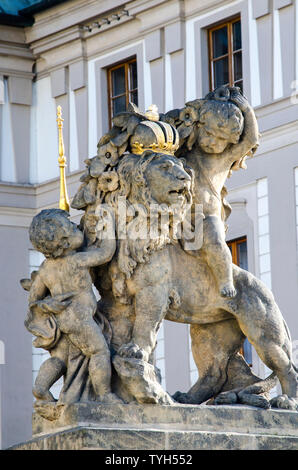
{"type": "Point", "coordinates": [278, 137]}
{"type": "Point", "coordinates": [35, 196]}
{"type": "Point", "coordinates": [66, 15]}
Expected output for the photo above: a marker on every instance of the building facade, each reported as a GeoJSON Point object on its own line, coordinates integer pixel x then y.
{"type": "Point", "coordinates": [92, 57]}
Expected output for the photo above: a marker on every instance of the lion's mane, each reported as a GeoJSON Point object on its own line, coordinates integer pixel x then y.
{"type": "Point", "coordinates": [135, 191]}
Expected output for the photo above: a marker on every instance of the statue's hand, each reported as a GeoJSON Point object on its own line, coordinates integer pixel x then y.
{"type": "Point", "coordinates": [238, 98]}
{"type": "Point", "coordinates": [55, 304]}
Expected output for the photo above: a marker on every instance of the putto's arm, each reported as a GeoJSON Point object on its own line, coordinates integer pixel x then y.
{"type": "Point", "coordinates": [38, 290]}
{"type": "Point", "coordinates": [249, 140]}
{"type": "Point", "coordinates": [96, 256]}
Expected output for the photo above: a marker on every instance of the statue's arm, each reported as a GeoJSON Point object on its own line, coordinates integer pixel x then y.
{"type": "Point", "coordinates": [249, 139]}
{"type": "Point", "coordinates": [38, 290]}
{"type": "Point", "coordinates": [95, 256]}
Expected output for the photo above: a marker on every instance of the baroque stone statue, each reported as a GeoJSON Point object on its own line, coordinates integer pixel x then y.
{"type": "Point", "coordinates": [152, 242]}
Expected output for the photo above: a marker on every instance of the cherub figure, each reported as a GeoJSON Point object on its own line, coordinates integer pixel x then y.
{"type": "Point", "coordinates": [226, 132]}
{"type": "Point", "coordinates": [65, 276]}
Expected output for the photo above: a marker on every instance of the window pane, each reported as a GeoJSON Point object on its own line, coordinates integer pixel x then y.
{"type": "Point", "coordinates": [237, 36]}
{"type": "Point", "coordinates": [133, 97]}
{"type": "Point", "coordinates": [119, 105]}
{"type": "Point", "coordinates": [118, 81]}
{"type": "Point", "coordinates": [237, 66]}
{"type": "Point", "coordinates": [221, 72]}
{"type": "Point", "coordinates": [133, 76]}
{"type": "Point", "coordinates": [220, 42]}
{"type": "Point", "coordinates": [242, 255]}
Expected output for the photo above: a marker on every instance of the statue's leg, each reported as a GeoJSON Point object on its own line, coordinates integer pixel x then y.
{"type": "Point", "coordinates": [121, 318]}
{"type": "Point", "coordinates": [90, 340]}
{"type": "Point", "coordinates": [213, 345]}
{"type": "Point", "coordinates": [151, 305]}
{"type": "Point", "coordinates": [218, 255]}
{"type": "Point", "coordinates": [50, 371]}
{"type": "Point", "coordinates": [261, 321]}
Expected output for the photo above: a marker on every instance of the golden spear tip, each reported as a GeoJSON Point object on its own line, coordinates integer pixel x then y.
{"type": "Point", "coordinates": [63, 200]}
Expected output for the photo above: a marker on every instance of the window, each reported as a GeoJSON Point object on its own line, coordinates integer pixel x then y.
{"type": "Point", "coordinates": [225, 54]}
{"type": "Point", "coordinates": [238, 250]}
{"type": "Point", "coordinates": [122, 87]}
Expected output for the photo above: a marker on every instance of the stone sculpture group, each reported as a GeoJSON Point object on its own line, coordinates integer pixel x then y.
{"type": "Point", "coordinates": [152, 243]}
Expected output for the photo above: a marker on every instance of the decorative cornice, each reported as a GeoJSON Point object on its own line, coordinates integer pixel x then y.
{"type": "Point", "coordinates": [36, 196]}
{"type": "Point", "coordinates": [278, 137]}
{"type": "Point", "coordinates": [22, 217]}
{"type": "Point", "coordinates": [57, 39]}
{"type": "Point", "coordinates": [66, 15]}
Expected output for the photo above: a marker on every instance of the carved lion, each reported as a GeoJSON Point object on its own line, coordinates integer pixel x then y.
{"type": "Point", "coordinates": [154, 278]}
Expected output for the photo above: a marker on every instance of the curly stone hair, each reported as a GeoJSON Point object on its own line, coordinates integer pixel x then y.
{"type": "Point", "coordinates": [48, 232]}
{"type": "Point", "coordinates": [229, 119]}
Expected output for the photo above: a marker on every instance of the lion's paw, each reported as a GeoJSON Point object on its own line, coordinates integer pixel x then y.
{"type": "Point", "coordinates": [228, 291]}
{"type": "Point", "coordinates": [253, 399]}
{"type": "Point", "coordinates": [226, 398]}
{"type": "Point", "coordinates": [132, 350]}
{"type": "Point", "coordinates": [284, 402]}
{"type": "Point", "coordinates": [181, 397]}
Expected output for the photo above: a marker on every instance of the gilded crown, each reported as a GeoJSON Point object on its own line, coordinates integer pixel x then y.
{"type": "Point", "coordinates": [154, 135]}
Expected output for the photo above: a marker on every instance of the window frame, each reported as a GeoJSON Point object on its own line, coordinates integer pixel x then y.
{"type": "Point", "coordinates": [126, 63]}
{"type": "Point", "coordinates": [233, 244]}
{"type": "Point", "coordinates": [229, 23]}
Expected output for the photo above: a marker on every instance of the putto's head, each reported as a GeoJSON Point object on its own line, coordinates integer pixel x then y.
{"type": "Point", "coordinates": [53, 234]}
{"type": "Point", "coordinates": [221, 123]}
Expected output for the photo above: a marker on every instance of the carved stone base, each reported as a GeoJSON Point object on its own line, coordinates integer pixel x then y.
{"type": "Point", "coordinates": [160, 427]}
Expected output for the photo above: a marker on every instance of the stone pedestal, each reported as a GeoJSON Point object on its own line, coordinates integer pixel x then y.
{"type": "Point", "coordinates": [157, 427]}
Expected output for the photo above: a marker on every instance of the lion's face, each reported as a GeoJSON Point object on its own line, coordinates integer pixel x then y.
{"type": "Point", "coordinates": [168, 181]}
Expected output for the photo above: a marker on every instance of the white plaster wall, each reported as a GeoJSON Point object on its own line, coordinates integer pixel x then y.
{"type": "Point", "coordinates": [46, 133]}
{"type": "Point", "coordinates": [255, 92]}
{"type": "Point", "coordinates": [193, 371]}
{"type": "Point", "coordinates": [8, 170]}
{"type": "Point", "coordinates": [73, 157]}
{"type": "Point", "coordinates": [160, 361]}
{"type": "Point", "coordinates": [263, 232]}
{"type": "Point", "coordinates": [296, 199]}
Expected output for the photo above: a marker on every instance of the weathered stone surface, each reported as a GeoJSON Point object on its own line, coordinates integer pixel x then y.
{"type": "Point", "coordinates": [163, 255]}
{"type": "Point", "coordinates": [157, 427]}
{"type": "Point", "coordinates": [140, 379]}
{"type": "Point", "coordinates": [107, 439]}
{"type": "Point", "coordinates": [133, 426]}
{"type": "Point", "coordinates": [229, 441]}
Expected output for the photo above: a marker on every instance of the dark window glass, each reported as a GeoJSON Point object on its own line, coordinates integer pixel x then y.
{"type": "Point", "coordinates": [119, 105]}
{"type": "Point", "coordinates": [237, 66]}
{"type": "Point", "coordinates": [225, 55]}
{"type": "Point", "coordinates": [133, 76]}
{"type": "Point", "coordinates": [221, 72]}
{"type": "Point", "coordinates": [122, 87]}
{"type": "Point", "coordinates": [237, 36]}
{"type": "Point", "coordinates": [220, 42]}
{"type": "Point", "coordinates": [118, 81]}
{"type": "Point", "coordinates": [134, 97]}
{"type": "Point", "coordinates": [242, 255]}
